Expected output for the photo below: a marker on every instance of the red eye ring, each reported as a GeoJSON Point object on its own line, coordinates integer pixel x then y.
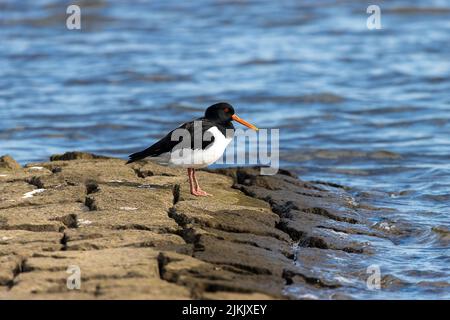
{"type": "Point", "coordinates": [226, 109]}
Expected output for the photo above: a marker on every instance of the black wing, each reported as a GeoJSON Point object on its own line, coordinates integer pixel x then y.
{"type": "Point", "coordinates": [166, 144]}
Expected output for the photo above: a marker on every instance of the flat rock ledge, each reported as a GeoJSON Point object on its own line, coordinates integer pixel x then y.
{"type": "Point", "coordinates": [135, 232]}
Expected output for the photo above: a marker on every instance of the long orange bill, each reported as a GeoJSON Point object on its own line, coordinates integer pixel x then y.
{"type": "Point", "coordinates": [245, 123]}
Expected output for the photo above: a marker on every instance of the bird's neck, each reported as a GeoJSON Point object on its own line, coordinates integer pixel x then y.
{"type": "Point", "coordinates": [227, 128]}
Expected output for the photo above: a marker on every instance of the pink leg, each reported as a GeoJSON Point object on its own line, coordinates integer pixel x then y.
{"type": "Point", "coordinates": [191, 182]}
{"type": "Point", "coordinates": [197, 186]}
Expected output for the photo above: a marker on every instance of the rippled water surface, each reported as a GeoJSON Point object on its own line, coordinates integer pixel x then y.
{"type": "Point", "coordinates": [365, 109]}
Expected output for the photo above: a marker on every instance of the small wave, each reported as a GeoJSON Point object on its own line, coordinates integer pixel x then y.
{"type": "Point", "coordinates": [277, 23]}
{"type": "Point", "coordinates": [126, 77]}
{"type": "Point", "coordinates": [415, 122]}
{"type": "Point", "coordinates": [259, 62]}
{"type": "Point", "coordinates": [183, 107]}
{"type": "Point", "coordinates": [338, 154]}
{"type": "Point", "coordinates": [444, 198]}
{"type": "Point", "coordinates": [417, 10]}
{"type": "Point", "coordinates": [154, 77]}
{"type": "Point", "coordinates": [386, 110]}
{"type": "Point", "coordinates": [91, 21]}
{"type": "Point", "coordinates": [327, 98]}
{"type": "Point", "coordinates": [434, 284]}
{"type": "Point", "coordinates": [354, 172]}
{"type": "Point", "coordinates": [383, 154]}
{"type": "Point", "coordinates": [435, 80]}
{"type": "Point", "coordinates": [88, 81]}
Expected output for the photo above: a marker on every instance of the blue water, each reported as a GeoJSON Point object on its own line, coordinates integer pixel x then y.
{"type": "Point", "coordinates": [369, 109]}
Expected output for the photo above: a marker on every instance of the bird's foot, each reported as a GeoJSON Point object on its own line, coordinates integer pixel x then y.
{"type": "Point", "coordinates": [203, 193]}
{"type": "Point", "coordinates": [200, 193]}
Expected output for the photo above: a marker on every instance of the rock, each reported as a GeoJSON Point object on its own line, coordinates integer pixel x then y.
{"type": "Point", "coordinates": [75, 155]}
{"type": "Point", "coordinates": [88, 237]}
{"type": "Point", "coordinates": [24, 243]}
{"type": "Point", "coordinates": [39, 218]}
{"type": "Point", "coordinates": [8, 163]}
{"type": "Point", "coordinates": [130, 273]}
{"type": "Point", "coordinates": [136, 232]}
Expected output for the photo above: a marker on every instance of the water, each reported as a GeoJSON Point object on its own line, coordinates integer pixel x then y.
{"type": "Point", "coordinates": [364, 108]}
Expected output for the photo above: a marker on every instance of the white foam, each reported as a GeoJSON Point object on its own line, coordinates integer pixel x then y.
{"type": "Point", "coordinates": [352, 202]}
{"type": "Point", "coordinates": [3, 175]}
{"type": "Point", "coordinates": [36, 168]}
{"type": "Point", "coordinates": [339, 233]}
{"type": "Point", "coordinates": [32, 193]}
{"type": "Point", "coordinates": [6, 238]}
{"type": "Point", "coordinates": [309, 296]}
{"type": "Point", "coordinates": [344, 280]}
{"type": "Point", "coordinates": [128, 208]}
{"type": "Point", "coordinates": [386, 226]}
{"type": "Point", "coordinates": [84, 222]}
{"type": "Point", "coordinates": [338, 258]}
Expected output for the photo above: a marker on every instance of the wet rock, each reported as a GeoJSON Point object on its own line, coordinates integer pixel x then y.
{"type": "Point", "coordinates": [443, 233]}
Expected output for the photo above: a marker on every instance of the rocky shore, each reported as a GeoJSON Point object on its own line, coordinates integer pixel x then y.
{"type": "Point", "coordinates": [135, 232]}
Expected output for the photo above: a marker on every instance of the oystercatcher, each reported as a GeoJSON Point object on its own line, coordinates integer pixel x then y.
{"type": "Point", "coordinates": [196, 144]}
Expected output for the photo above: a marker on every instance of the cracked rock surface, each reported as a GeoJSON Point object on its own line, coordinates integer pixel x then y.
{"type": "Point", "coordinates": [135, 232]}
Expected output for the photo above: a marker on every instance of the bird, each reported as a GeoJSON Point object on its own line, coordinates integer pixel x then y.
{"type": "Point", "coordinates": [196, 144]}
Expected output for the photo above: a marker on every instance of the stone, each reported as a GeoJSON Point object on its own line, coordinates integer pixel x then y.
{"type": "Point", "coordinates": [136, 232]}
{"type": "Point", "coordinates": [8, 163]}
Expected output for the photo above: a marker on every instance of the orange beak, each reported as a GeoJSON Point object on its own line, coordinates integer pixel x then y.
{"type": "Point", "coordinates": [245, 123]}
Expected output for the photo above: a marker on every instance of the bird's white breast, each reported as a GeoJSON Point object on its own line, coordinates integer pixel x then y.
{"type": "Point", "coordinates": [199, 158]}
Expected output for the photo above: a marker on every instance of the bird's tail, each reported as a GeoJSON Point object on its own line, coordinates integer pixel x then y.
{"type": "Point", "coordinates": [149, 152]}
{"type": "Point", "coordinates": [136, 156]}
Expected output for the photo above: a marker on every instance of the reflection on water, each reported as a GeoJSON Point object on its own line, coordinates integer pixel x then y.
{"type": "Point", "coordinates": [366, 109]}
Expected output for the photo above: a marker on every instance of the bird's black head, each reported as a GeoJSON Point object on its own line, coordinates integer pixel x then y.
{"type": "Point", "coordinates": [221, 112]}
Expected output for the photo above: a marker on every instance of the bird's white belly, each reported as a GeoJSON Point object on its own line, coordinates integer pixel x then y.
{"type": "Point", "coordinates": [198, 158]}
